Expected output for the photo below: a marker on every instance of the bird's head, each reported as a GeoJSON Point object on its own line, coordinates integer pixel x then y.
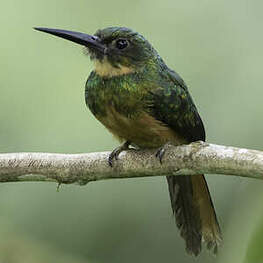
{"type": "Point", "coordinates": [114, 50]}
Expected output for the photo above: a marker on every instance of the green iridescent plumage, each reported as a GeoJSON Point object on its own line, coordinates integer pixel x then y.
{"type": "Point", "coordinates": [152, 87]}
{"type": "Point", "coordinates": [174, 106]}
{"type": "Point", "coordinates": [146, 104]}
{"type": "Point", "coordinates": [149, 107]}
{"type": "Point", "coordinates": [157, 91]}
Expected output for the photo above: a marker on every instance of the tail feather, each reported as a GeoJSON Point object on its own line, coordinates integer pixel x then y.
{"type": "Point", "coordinates": [194, 212]}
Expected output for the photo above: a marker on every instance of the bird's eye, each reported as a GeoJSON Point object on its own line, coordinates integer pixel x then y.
{"type": "Point", "coordinates": [122, 43]}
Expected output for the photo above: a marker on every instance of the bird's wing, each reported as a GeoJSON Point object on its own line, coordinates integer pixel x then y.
{"type": "Point", "coordinates": [173, 105]}
{"type": "Point", "coordinates": [190, 197]}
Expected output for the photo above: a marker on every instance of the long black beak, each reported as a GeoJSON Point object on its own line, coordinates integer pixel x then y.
{"type": "Point", "coordinates": [91, 42]}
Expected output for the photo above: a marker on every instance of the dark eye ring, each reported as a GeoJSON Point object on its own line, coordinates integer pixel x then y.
{"type": "Point", "coordinates": [122, 43]}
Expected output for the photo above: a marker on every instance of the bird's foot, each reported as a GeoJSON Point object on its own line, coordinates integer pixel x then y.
{"type": "Point", "coordinates": [115, 153]}
{"type": "Point", "coordinates": [161, 151]}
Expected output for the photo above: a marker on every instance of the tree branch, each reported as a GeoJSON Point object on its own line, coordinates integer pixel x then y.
{"type": "Point", "coordinates": [195, 158]}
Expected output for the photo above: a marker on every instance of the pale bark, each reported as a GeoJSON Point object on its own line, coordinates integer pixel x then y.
{"type": "Point", "coordinates": [195, 158]}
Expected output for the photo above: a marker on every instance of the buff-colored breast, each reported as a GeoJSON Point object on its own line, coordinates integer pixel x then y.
{"type": "Point", "coordinates": [142, 130]}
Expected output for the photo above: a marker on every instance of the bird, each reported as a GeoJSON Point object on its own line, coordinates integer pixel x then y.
{"type": "Point", "coordinates": [147, 105]}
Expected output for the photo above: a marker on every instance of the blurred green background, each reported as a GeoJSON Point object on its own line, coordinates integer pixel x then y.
{"type": "Point", "coordinates": [216, 46]}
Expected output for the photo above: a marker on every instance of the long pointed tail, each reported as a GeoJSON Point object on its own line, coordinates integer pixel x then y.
{"type": "Point", "coordinates": [194, 212]}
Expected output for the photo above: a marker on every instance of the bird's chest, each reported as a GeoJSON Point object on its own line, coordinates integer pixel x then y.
{"type": "Point", "coordinates": [121, 96]}
{"type": "Point", "coordinates": [123, 108]}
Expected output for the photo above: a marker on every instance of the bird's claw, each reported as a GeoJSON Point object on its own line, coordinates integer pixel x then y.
{"type": "Point", "coordinates": [114, 156]}
{"type": "Point", "coordinates": [115, 153]}
{"type": "Point", "coordinates": [161, 152]}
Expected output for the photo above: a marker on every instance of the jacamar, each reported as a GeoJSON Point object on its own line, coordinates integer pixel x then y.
{"type": "Point", "coordinates": [144, 103]}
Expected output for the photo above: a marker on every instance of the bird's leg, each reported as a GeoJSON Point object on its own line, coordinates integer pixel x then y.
{"type": "Point", "coordinates": [161, 151]}
{"type": "Point", "coordinates": [115, 153]}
